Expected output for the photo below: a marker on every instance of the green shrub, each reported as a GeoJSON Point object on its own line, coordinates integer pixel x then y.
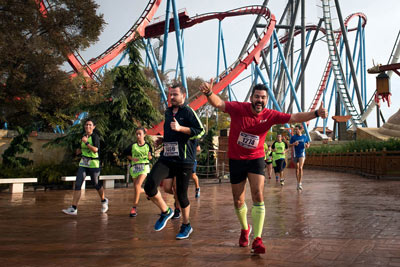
{"type": "Point", "coordinates": [110, 169]}
{"type": "Point", "coordinates": [18, 145]}
{"type": "Point", "coordinates": [391, 144]}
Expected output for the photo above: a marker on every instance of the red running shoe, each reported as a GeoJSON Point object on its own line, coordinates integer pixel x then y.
{"type": "Point", "coordinates": [258, 246]}
{"type": "Point", "coordinates": [133, 212]}
{"type": "Point", "coordinates": [244, 236]}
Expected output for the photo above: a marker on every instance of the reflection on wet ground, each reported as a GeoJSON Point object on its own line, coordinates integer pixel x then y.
{"type": "Point", "coordinates": [338, 219]}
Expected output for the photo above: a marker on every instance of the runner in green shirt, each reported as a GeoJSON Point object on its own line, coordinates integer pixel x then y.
{"type": "Point", "coordinates": [88, 165]}
{"type": "Point", "coordinates": [139, 154]}
{"type": "Point", "coordinates": [279, 147]}
{"type": "Point", "coordinates": [268, 160]}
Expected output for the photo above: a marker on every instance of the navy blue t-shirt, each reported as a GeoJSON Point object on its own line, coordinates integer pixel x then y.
{"type": "Point", "coordinates": [299, 150]}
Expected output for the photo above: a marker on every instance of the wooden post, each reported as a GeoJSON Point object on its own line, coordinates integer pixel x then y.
{"type": "Point", "coordinates": [384, 161]}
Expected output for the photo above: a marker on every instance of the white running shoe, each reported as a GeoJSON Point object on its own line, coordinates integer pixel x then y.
{"type": "Point", "coordinates": [70, 211]}
{"type": "Point", "coordinates": [299, 187]}
{"type": "Point", "coordinates": [104, 206]}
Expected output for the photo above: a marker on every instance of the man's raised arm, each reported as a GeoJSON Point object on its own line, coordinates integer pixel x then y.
{"type": "Point", "coordinates": [213, 99]}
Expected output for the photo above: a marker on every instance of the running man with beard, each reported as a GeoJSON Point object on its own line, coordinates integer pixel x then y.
{"type": "Point", "coordinates": [176, 160]}
{"type": "Point", "coordinates": [250, 123]}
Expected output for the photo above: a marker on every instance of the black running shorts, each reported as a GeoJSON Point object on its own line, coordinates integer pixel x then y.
{"type": "Point", "coordinates": [280, 165]}
{"type": "Point", "coordinates": [240, 168]}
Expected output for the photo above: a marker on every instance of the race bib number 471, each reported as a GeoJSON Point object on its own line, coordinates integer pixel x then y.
{"type": "Point", "coordinates": [249, 141]}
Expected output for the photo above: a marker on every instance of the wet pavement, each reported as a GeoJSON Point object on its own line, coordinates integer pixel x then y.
{"type": "Point", "coordinates": [338, 220]}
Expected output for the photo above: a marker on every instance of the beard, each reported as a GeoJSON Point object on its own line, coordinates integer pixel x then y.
{"type": "Point", "coordinates": [254, 105]}
{"type": "Point", "coordinates": [175, 103]}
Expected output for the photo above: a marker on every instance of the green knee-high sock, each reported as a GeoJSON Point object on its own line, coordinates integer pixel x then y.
{"type": "Point", "coordinates": [258, 215]}
{"type": "Point", "coordinates": [242, 216]}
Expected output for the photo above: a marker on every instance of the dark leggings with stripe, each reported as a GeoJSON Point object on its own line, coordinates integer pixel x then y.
{"type": "Point", "coordinates": [94, 174]}
{"type": "Point", "coordinates": [165, 169]}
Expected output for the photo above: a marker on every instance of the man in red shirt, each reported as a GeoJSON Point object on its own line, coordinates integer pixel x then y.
{"type": "Point", "coordinates": [250, 123]}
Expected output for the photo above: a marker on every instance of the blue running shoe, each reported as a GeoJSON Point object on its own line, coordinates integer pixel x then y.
{"type": "Point", "coordinates": [185, 231]}
{"type": "Point", "coordinates": [160, 223]}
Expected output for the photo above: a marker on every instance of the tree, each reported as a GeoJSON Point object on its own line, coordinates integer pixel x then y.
{"type": "Point", "coordinates": [129, 107]}
{"type": "Point", "coordinates": [19, 145]}
{"type": "Point", "coordinates": [207, 155]}
{"type": "Point", "coordinates": [33, 46]}
{"type": "Point", "coordinates": [125, 108]}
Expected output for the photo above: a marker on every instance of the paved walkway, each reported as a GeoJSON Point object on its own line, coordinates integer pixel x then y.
{"type": "Point", "coordinates": [338, 220]}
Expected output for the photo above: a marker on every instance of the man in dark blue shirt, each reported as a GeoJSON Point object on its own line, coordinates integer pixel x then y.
{"type": "Point", "coordinates": [176, 160]}
{"type": "Point", "coordinates": [300, 142]}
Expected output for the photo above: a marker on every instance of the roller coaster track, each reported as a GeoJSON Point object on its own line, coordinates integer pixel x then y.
{"type": "Point", "coordinates": [323, 82]}
{"type": "Point", "coordinates": [328, 66]}
{"type": "Point", "coordinates": [337, 68]}
{"type": "Point", "coordinates": [227, 76]}
{"type": "Point", "coordinates": [138, 29]}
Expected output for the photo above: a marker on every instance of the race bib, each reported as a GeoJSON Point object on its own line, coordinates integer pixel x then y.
{"type": "Point", "coordinates": [171, 149]}
{"type": "Point", "coordinates": [138, 167]}
{"type": "Point", "coordinates": [249, 141]}
{"type": "Point", "coordinates": [85, 162]}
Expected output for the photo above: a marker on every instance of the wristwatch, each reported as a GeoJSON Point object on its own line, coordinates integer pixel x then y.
{"type": "Point", "coordinates": [208, 94]}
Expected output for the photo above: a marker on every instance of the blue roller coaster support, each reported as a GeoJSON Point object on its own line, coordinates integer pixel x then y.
{"type": "Point", "coordinates": [295, 69]}
{"type": "Point", "coordinates": [153, 67]}
{"type": "Point", "coordinates": [81, 116]}
{"type": "Point", "coordinates": [126, 51]}
{"type": "Point", "coordinates": [326, 86]}
{"type": "Point", "coordinates": [179, 45]}
{"type": "Point", "coordinates": [364, 68]}
{"type": "Point", "coordinates": [287, 71]}
{"type": "Point", "coordinates": [271, 60]}
{"type": "Point", "coordinates": [166, 29]}
{"type": "Point", "coordinates": [358, 62]}
{"type": "Point", "coordinates": [218, 49]}
{"type": "Point", "coordinates": [270, 93]}
{"type": "Point", "coordinates": [271, 71]}
{"type": "Point", "coordinates": [225, 63]}
{"type": "Point", "coordinates": [177, 60]}
{"type": "Point", "coordinates": [153, 55]}
{"type": "Point", "coordinates": [289, 79]}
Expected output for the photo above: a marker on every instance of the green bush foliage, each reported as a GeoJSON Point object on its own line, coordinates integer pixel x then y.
{"type": "Point", "coordinates": [391, 144]}
{"type": "Point", "coordinates": [18, 145]}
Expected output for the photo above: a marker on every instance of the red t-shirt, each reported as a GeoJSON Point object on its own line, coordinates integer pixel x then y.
{"type": "Point", "coordinates": [248, 131]}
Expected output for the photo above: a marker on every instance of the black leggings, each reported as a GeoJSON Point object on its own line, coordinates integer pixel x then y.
{"type": "Point", "coordinates": [94, 176]}
{"type": "Point", "coordinates": [164, 169]}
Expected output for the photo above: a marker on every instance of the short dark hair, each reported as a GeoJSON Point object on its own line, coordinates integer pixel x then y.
{"type": "Point", "coordinates": [90, 119]}
{"type": "Point", "coordinates": [142, 129]}
{"type": "Point", "coordinates": [259, 86]}
{"type": "Point", "coordinates": [299, 126]}
{"type": "Point", "coordinates": [180, 86]}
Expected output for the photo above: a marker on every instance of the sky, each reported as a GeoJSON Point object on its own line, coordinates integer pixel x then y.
{"type": "Point", "coordinates": [200, 41]}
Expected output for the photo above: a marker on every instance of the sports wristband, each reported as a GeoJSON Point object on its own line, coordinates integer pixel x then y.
{"type": "Point", "coordinates": [87, 143]}
{"type": "Point", "coordinates": [208, 94]}
{"type": "Point", "coordinates": [316, 113]}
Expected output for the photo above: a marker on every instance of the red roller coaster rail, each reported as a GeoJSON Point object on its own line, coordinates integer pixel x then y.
{"type": "Point", "coordinates": [226, 77]}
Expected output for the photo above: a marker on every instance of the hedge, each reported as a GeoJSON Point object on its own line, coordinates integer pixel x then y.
{"type": "Point", "coordinates": [391, 144]}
